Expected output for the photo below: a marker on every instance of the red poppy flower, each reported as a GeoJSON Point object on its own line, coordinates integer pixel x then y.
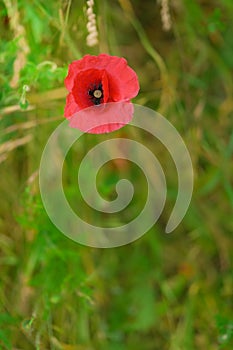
{"type": "Point", "coordinates": [98, 80]}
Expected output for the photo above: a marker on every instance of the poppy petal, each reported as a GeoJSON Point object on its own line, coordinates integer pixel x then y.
{"type": "Point", "coordinates": [86, 81]}
{"type": "Point", "coordinates": [97, 81]}
{"type": "Point", "coordinates": [124, 81]}
{"type": "Point", "coordinates": [71, 106]}
{"type": "Point", "coordinates": [103, 118]}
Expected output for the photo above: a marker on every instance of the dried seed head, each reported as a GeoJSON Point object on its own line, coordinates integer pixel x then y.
{"type": "Point", "coordinates": [165, 15]}
{"type": "Point", "coordinates": [92, 38]}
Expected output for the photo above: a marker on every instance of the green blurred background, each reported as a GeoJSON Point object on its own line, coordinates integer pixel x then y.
{"type": "Point", "coordinates": [161, 292]}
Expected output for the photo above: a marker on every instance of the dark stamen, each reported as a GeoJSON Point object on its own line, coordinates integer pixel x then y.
{"type": "Point", "coordinates": [96, 93]}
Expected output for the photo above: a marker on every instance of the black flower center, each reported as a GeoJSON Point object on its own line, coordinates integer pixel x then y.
{"type": "Point", "coordinates": [96, 94]}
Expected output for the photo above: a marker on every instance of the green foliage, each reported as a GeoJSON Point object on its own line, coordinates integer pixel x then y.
{"type": "Point", "coordinates": [169, 292]}
{"type": "Point", "coordinates": [43, 76]}
{"type": "Point", "coordinates": [6, 323]}
{"type": "Point", "coordinates": [225, 328]}
{"type": "Point", "coordinates": [8, 52]}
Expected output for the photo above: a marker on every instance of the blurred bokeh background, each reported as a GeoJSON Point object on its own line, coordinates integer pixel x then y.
{"type": "Point", "coordinates": [162, 292]}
